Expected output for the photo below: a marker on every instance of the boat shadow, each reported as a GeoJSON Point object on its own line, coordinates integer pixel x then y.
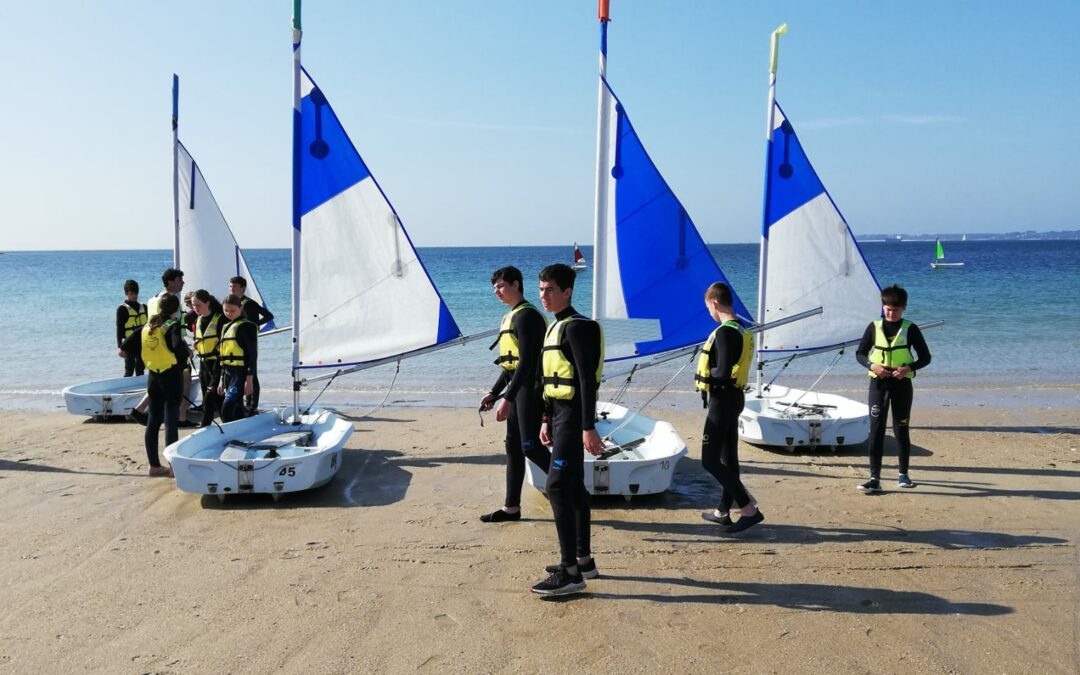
{"type": "Point", "coordinates": [860, 450]}
{"type": "Point", "coordinates": [1045, 430]}
{"type": "Point", "coordinates": [802, 597]}
{"type": "Point", "coordinates": [9, 465]}
{"type": "Point", "coordinates": [767, 533]}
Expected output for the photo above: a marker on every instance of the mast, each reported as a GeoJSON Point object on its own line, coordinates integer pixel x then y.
{"type": "Point", "coordinates": [176, 170]}
{"type": "Point", "coordinates": [296, 34]}
{"type": "Point", "coordinates": [763, 263]}
{"type": "Point", "coordinates": [600, 261]}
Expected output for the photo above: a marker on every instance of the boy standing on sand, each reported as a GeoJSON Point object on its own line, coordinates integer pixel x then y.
{"type": "Point", "coordinates": [131, 316]}
{"type": "Point", "coordinates": [885, 351]}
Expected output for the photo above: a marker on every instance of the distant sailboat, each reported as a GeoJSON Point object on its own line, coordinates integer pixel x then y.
{"type": "Point", "coordinates": [579, 259]}
{"type": "Point", "coordinates": [940, 255]}
{"type": "Point", "coordinates": [360, 297]}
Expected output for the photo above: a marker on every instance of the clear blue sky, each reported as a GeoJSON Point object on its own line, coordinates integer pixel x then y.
{"type": "Point", "coordinates": [478, 118]}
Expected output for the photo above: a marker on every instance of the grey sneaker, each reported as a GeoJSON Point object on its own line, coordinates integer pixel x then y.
{"type": "Point", "coordinates": [904, 482]}
{"type": "Point", "coordinates": [870, 487]}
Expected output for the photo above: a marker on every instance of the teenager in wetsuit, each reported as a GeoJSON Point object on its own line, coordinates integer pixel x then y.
{"type": "Point", "coordinates": [573, 358]}
{"type": "Point", "coordinates": [210, 320]}
{"type": "Point", "coordinates": [172, 281]}
{"type": "Point", "coordinates": [131, 316]}
{"type": "Point", "coordinates": [238, 352]}
{"type": "Point", "coordinates": [885, 351]}
{"type": "Point", "coordinates": [258, 315]}
{"type": "Point", "coordinates": [723, 367]}
{"type": "Point", "coordinates": [521, 336]}
{"type": "Point", "coordinates": [164, 352]}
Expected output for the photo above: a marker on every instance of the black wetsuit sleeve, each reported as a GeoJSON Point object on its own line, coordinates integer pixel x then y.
{"type": "Point", "coordinates": [132, 344]}
{"type": "Point", "coordinates": [583, 339]}
{"type": "Point", "coordinates": [121, 320]}
{"type": "Point", "coordinates": [248, 339]}
{"type": "Point", "coordinates": [862, 352]}
{"type": "Point", "coordinates": [918, 343]}
{"type": "Point", "coordinates": [500, 384]}
{"type": "Point", "coordinates": [256, 313]}
{"type": "Point", "coordinates": [174, 338]}
{"type": "Point", "coordinates": [726, 352]}
{"type": "Point", "coordinates": [529, 330]}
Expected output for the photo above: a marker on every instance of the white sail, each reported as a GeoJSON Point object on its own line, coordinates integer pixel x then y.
{"type": "Point", "coordinates": [364, 294]}
{"type": "Point", "coordinates": [207, 252]}
{"type": "Point", "coordinates": [813, 259]}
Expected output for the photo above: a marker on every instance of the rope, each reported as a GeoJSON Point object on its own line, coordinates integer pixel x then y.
{"type": "Point", "coordinates": [635, 413]}
{"type": "Point", "coordinates": [381, 403]}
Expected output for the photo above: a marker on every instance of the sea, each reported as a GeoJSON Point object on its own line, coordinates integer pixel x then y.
{"type": "Point", "coordinates": [1012, 324]}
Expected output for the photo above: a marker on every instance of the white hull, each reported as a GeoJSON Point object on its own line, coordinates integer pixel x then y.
{"type": "Point", "coordinates": [646, 465]}
{"type": "Point", "coordinates": [817, 419]}
{"type": "Point", "coordinates": [211, 462]}
{"type": "Point", "coordinates": [111, 398]}
{"type": "Point", "coordinates": [939, 265]}
{"type": "Point", "coordinates": [579, 266]}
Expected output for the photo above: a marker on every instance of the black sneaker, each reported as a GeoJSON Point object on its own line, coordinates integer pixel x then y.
{"type": "Point", "coordinates": [560, 583]}
{"type": "Point", "coordinates": [587, 571]}
{"type": "Point", "coordinates": [744, 523]}
{"type": "Point", "coordinates": [500, 516]}
{"type": "Point", "coordinates": [870, 487]}
{"type": "Point", "coordinates": [723, 521]}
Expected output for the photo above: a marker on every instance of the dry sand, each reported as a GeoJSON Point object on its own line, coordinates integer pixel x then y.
{"type": "Point", "coordinates": [387, 568]}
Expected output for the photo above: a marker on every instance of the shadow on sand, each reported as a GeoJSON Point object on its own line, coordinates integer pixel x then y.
{"type": "Point", "coordinates": [8, 465]}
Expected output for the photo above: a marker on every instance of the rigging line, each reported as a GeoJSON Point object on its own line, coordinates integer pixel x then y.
{"type": "Point", "coordinates": [635, 413]}
{"type": "Point", "coordinates": [779, 372]}
{"type": "Point", "coordinates": [832, 365]}
{"type": "Point", "coordinates": [389, 389]}
{"type": "Point", "coordinates": [624, 387]}
{"type": "Point", "coordinates": [328, 383]}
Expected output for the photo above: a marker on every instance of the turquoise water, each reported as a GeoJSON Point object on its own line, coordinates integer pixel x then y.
{"type": "Point", "coordinates": [1011, 315]}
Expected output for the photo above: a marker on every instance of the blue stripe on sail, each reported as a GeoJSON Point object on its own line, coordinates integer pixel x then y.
{"type": "Point", "coordinates": [296, 169]}
{"type": "Point", "coordinates": [194, 174]}
{"type": "Point", "coordinates": [448, 328]}
{"type": "Point", "coordinates": [665, 264]}
{"type": "Point", "coordinates": [792, 180]}
{"type": "Point", "coordinates": [329, 163]}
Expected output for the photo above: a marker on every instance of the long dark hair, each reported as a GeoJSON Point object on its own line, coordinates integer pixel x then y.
{"type": "Point", "coordinates": [168, 306]}
{"type": "Point", "coordinates": [203, 296]}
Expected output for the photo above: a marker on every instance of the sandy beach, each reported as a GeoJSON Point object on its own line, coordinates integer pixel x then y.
{"type": "Point", "coordinates": [387, 568]}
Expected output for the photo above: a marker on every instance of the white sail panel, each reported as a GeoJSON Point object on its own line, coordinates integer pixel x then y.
{"type": "Point", "coordinates": [607, 277]}
{"type": "Point", "coordinates": [364, 294]}
{"type": "Point", "coordinates": [208, 253]}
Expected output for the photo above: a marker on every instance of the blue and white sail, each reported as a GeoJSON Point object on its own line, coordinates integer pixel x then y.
{"type": "Point", "coordinates": [650, 262]}
{"type": "Point", "coordinates": [207, 251]}
{"type": "Point", "coordinates": [809, 256]}
{"type": "Point", "coordinates": [362, 293]}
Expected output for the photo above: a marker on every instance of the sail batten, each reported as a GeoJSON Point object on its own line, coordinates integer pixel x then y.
{"type": "Point", "coordinates": [364, 294]}
{"type": "Point", "coordinates": [813, 259]}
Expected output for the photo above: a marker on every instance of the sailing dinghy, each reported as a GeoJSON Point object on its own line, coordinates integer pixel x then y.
{"type": "Point", "coordinates": [579, 259]}
{"type": "Point", "coordinates": [809, 257]}
{"type": "Point", "coordinates": [650, 272]}
{"type": "Point", "coordinates": [352, 261]}
{"type": "Point", "coordinates": [937, 264]}
{"type": "Point", "coordinates": [204, 248]}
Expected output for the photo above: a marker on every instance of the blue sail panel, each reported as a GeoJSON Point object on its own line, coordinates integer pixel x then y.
{"type": "Point", "coordinates": [329, 164]}
{"type": "Point", "coordinates": [792, 181]}
{"type": "Point", "coordinates": [665, 265]}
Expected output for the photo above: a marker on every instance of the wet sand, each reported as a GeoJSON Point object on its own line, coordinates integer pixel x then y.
{"type": "Point", "coordinates": [387, 568]}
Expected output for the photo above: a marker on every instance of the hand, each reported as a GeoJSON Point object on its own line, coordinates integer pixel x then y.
{"type": "Point", "coordinates": [879, 370]}
{"type": "Point", "coordinates": [221, 390]}
{"type": "Point", "coordinates": [249, 386]}
{"type": "Point", "coordinates": [121, 354]}
{"type": "Point", "coordinates": [488, 402]}
{"type": "Point", "coordinates": [593, 443]}
{"type": "Point", "coordinates": [901, 372]}
{"type": "Point", "coordinates": [545, 438]}
{"type": "Point", "coordinates": [503, 411]}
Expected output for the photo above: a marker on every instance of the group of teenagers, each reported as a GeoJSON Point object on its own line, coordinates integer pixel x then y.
{"type": "Point", "coordinates": [547, 387]}
{"type": "Point", "coordinates": [154, 338]}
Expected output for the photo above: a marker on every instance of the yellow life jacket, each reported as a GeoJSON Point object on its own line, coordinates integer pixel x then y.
{"type": "Point", "coordinates": [559, 377]}
{"type": "Point", "coordinates": [206, 342]}
{"type": "Point", "coordinates": [507, 342]}
{"type": "Point", "coordinates": [740, 372]}
{"type": "Point", "coordinates": [230, 353]}
{"type": "Point", "coordinates": [892, 354]}
{"type": "Point", "coordinates": [136, 319]}
{"type": "Point", "coordinates": [155, 352]}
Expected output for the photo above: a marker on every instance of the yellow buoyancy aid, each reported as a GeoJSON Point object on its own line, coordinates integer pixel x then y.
{"type": "Point", "coordinates": [155, 352]}
{"type": "Point", "coordinates": [136, 318]}
{"type": "Point", "coordinates": [891, 354]}
{"type": "Point", "coordinates": [230, 353]}
{"type": "Point", "coordinates": [507, 342]}
{"type": "Point", "coordinates": [206, 342]}
{"type": "Point", "coordinates": [740, 372]}
{"type": "Point", "coordinates": [559, 377]}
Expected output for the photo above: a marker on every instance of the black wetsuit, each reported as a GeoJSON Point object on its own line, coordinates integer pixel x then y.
{"type": "Point", "coordinates": [165, 391]}
{"type": "Point", "coordinates": [133, 364]}
{"type": "Point", "coordinates": [525, 393]}
{"type": "Point", "coordinates": [720, 439]}
{"type": "Point", "coordinates": [889, 392]}
{"type": "Point", "coordinates": [258, 315]}
{"type": "Point", "coordinates": [233, 377]}
{"type": "Point", "coordinates": [568, 419]}
{"type": "Point", "coordinates": [210, 372]}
